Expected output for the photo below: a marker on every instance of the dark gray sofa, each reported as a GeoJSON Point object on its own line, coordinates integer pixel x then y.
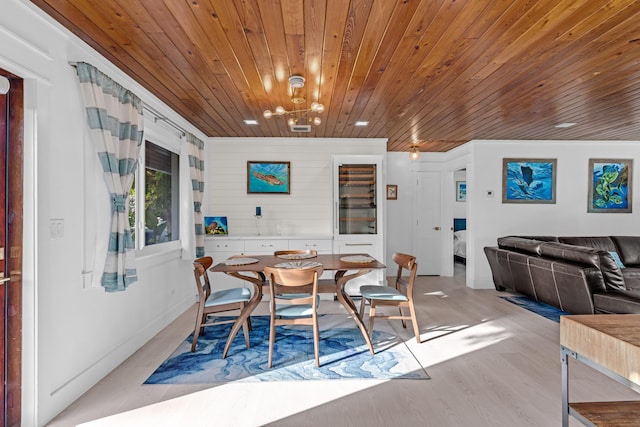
{"type": "Point", "coordinates": [576, 274]}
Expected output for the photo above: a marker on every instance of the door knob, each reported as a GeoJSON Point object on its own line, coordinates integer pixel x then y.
{"type": "Point", "coordinates": [436, 228]}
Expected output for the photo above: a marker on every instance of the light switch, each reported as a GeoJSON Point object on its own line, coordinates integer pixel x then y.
{"type": "Point", "coordinates": [56, 228]}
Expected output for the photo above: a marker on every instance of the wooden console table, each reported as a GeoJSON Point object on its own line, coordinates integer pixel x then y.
{"type": "Point", "coordinates": [609, 343]}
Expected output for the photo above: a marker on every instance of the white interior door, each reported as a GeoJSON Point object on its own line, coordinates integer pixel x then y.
{"type": "Point", "coordinates": [427, 241]}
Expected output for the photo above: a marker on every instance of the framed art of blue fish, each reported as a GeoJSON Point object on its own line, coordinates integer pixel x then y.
{"type": "Point", "coordinates": [529, 180]}
{"type": "Point", "coordinates": [268, 177]}
{"type": "Point", "coordinates": [610, 185]}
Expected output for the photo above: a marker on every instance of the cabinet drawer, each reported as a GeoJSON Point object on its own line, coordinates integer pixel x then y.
{"type": "Point", "coordinates": [320, 245]}
{"type": "Point", "coordinates": [211, 245]}
{"type": "Point", "coordinates": [265, 246]}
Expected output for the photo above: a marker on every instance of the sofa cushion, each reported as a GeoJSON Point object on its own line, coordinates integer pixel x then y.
{"type": "Point", "coordinates": [627, 302]}
{"type": "Point", "coordinates": [598, 242]}
{"type": "Point", "coordinates": [598, 258]}
{"type": "Point", "coordinates": [617, 259]}
{"type": "Point", "coordinates": [520, 244]}
{"type": "Point", "coordinates": [631, 277]}
{"type": "Point", "coordinates": [628, 247]}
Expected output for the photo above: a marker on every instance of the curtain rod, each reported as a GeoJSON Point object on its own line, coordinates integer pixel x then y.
{"type": "Point", "coordinates": [158, 115]}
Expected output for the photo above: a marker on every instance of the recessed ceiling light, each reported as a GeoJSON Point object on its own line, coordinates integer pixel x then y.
{"type": "Point", "coordinates": [250, 122]}
{"type": "Point", "coordinates": [362, 123]}
{"type": "Point", "coordinates": [565, 125]}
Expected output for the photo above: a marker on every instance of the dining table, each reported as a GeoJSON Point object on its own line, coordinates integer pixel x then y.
{"type": "Point", "coordinates": [346, 267]}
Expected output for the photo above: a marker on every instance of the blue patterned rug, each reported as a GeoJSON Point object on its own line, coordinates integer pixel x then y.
{"type": "Point", "coordinates": [540, 308]}
{"type": "Point", "coordinates": [343, 355]}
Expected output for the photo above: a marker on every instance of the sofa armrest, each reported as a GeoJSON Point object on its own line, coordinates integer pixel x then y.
{"type": "Point", "coordinates": [520, 244]}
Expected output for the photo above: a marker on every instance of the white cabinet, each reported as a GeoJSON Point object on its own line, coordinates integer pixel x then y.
{"type": "Point", "coordinates": [359, 210]}
{"type": "Point", "coordinates": [265, 246]}
{"type": "Point", "coordinates": [222, 248]}
{"type": "Point", "coordinates": [322, 246]}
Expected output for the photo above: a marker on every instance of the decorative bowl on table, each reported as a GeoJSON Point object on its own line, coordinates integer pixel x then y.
{"type": "Point", "coordinates": [298, 264]}
{"type": "Point", "coordinates": [241, 261]}
{"type": "Point", "coordinates": [357, 259]}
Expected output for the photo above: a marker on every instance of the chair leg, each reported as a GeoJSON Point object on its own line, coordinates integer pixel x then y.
{"type": "Point", "coordinates": [316, 340]}
{"type": "Point", "coordinates": [404, 324]}
{"type": "Point", "coordinates": [272, 336]}
{"type": "Point", "coordinates": [372, 315]}
{"type": "Point", "coordinates": [196, 331]}
{"type": "Point", "coordinates": [363, 302]}
{"type": "Point", "coordinates": [414, 320]}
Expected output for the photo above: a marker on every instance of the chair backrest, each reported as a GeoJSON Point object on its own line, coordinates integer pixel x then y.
{"type": "Point", "coordinates": [200, 267]}
{"type": "Point", "coordinates": [405, 262]}
{"type": "Point", "coordinates": [297, 251]}
{"type": "Point", "coordinates": [293, 280]}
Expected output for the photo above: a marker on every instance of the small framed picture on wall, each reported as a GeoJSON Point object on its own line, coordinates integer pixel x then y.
{"type": "Point", "coordinates": [392, 192]}
{"type": "Point", "coordinates": [461, 191]}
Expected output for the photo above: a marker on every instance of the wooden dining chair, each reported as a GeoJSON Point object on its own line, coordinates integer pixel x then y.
{"type": "Point", "coordinates": [294, 301]}
{"type": "Point", "coordinates": [305, 252]}
{"type": "Point", "coordinates": [400, 295]}
{"type": "Point", "coordinates": [210, 302]}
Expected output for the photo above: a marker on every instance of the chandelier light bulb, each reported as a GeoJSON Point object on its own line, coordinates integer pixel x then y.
{"type": "Point", "coordinates": [280, 110]}
{"type": "Point", "coordinates": [267, 114]}
{"type": "Point", "coordinates": [414, 154]}
{"type": "Point", "coordinates": [317, 107]}
{"type": "Point", "coordinates": [291, 121]}
{"type": "Point", "coordinates": [317, 121]}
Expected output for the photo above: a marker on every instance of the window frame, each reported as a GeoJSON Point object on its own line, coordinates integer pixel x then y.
{"type": "Point", "coordinates": [168, 140]}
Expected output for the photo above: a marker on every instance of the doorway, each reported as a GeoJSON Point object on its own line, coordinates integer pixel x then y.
{"type": "Point", "coordinates": [11, 216]}
{"type": "Point", "coordinates": [460, 223]}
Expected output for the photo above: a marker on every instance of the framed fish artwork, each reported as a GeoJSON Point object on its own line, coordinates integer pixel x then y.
{"type": "Point", "coordinates": [268, 177]}
{"type": "Point", "coordinates": [610, 185]}
{"type": "Point", "coordinates": [529, 180]}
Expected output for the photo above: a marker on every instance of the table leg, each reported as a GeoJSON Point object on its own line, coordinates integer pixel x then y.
{"type": "Point", "coordinates": [348, 303]}
{"type": "Point", "coordinates": [564, 358]}
{"type": "Point", "coordinates": [257, 283]}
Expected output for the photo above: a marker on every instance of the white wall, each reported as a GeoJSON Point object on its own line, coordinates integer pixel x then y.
{"type": "Point", "coordinates": [399, 232]}
{"type": "Point", "coordinates": [489, 218]}
{"type": "Point", "coordinates": [73, 334]}
{"type": "Point", "coordinates": [309, 207]}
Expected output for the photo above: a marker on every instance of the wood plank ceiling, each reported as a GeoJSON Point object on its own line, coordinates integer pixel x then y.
{"type": "Point", "coordinates": [435, 73]}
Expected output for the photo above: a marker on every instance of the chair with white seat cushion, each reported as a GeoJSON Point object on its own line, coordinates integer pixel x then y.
{"type": "Point", "coordinates": [400, 295]}
{"type": "Point", "coordinates": [210, 302]}
{"type": "Point", "coordinates": [294, 301]}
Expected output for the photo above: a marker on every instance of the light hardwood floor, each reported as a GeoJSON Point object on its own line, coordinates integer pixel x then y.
{"type": "Point", "coordinates": [491, 364]}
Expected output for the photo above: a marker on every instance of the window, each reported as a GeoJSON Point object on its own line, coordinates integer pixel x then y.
{"type": "Point", "coordinates": [155, 198]}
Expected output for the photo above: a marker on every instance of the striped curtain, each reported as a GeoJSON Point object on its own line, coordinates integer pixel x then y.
{"type": "Point", "coordinates": [196, 170]}
{"type": "Point", "coordinates": [116, 124]}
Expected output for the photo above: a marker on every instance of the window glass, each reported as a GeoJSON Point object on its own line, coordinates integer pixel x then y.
{"type": "Point", "coordinates": [161, 197]}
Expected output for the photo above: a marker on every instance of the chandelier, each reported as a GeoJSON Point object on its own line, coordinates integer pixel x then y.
{"type": "Point", "coordinates": [299, 118]}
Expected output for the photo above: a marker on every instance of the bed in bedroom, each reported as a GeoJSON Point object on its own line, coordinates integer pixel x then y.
{"type": "Point", "coordinates": [460, 240]}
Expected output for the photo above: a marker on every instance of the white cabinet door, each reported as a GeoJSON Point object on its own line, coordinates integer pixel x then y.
{"type": "Point", "coordinates": [221, 250]}
{"type": "Point", "coordinates": [322, 246]}
{"type": "Point", "coordinates": [372, 247]}
{"type": "Point", "coordinates": [265, 246]}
